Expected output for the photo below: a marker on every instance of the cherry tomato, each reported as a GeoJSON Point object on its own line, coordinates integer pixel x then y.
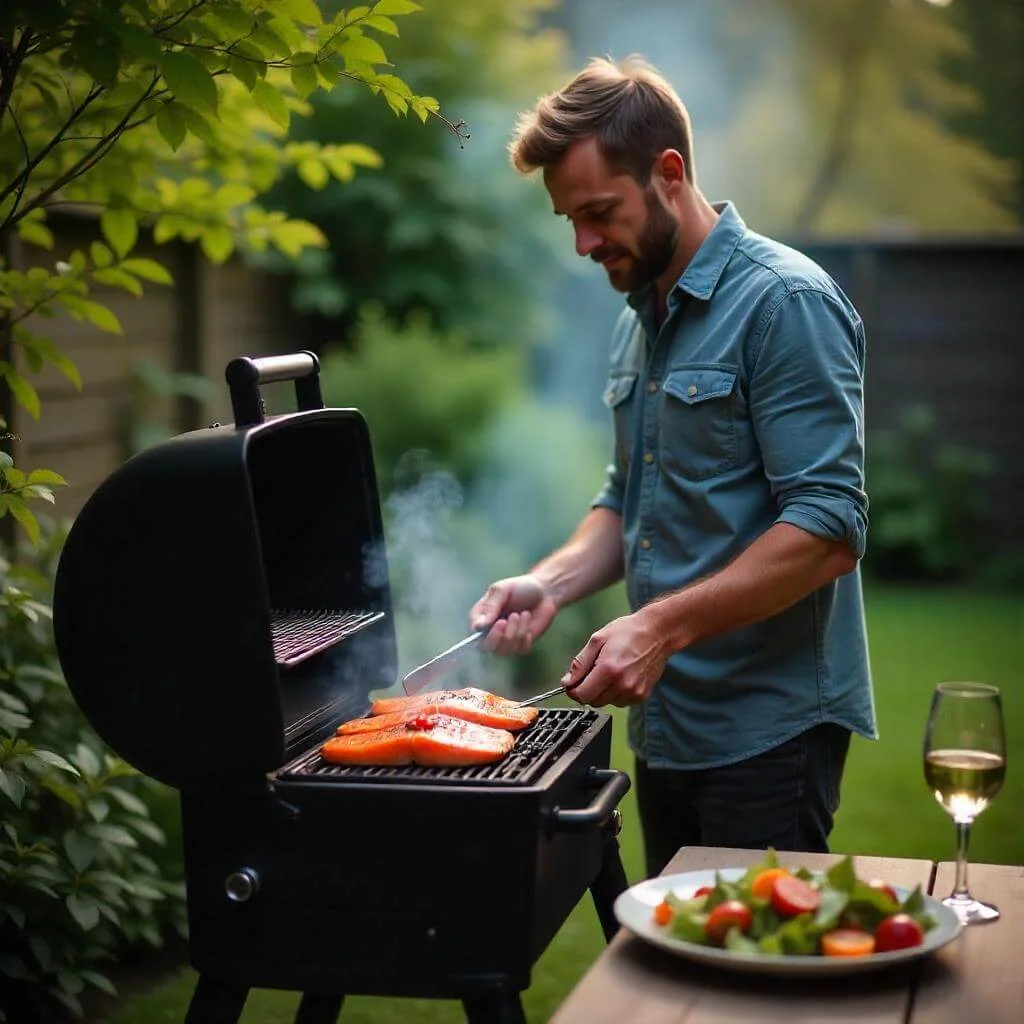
{"type": "Point", "coordinates": [764, 881]}
{"type": "Point", "coordinates": [792, 896]}
{"type": "Point", "coordinates": [898, 931]}
{"type": "Point", "coordinates": [885, 887]}
{"type": "Point", "coordinates": [663, 913]}
{"type": "Point", "coordinates": [730, 914]}
{"type": "Point", "coordinates": [703, 891]}
{"type": "Point", "coordinates": [847, 942]}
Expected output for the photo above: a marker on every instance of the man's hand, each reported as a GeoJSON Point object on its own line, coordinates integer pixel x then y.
{"type": "Point", "coordinates": [517, 609]}
{"type": "Point", "coordinates": [620, 663]}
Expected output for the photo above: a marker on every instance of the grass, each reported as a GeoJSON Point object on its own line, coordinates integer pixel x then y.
{"type": "Point", "coordinates": [918, 638]}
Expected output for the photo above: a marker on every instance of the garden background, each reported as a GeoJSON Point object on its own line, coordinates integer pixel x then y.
{"type": "Point", "coordinates": [254, 178]}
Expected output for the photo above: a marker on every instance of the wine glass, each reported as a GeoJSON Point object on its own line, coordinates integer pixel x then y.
{"type": "Point", "coordinates": [964, 766]}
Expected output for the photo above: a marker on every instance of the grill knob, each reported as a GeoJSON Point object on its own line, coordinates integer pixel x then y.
{"type": "Point", "coordinates": [241, 885]}
{"type": "Point", "coordinates": [616, 822]}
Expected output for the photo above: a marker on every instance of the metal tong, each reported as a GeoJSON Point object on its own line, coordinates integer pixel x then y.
{"type": "Point", "coordinates": [529, 702]}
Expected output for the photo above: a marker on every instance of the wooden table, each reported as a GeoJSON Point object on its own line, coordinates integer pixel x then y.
{"type": "Point", "coordinates": [977, 979]}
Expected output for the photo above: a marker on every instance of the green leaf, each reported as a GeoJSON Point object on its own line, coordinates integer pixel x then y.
{"type": "Point", "coordinates": [381, 24]}
{"type": "Point", "coordinates": [396, 7]}
{"type": "Point", "coordinates": [16, 914]}
{"type": "Point", "coordinates": [313, 172]}
{"type": "Point", "coordinates": [189, 81]}
{"type": "Point", "coordinates": [119, 279]}
{"type": "Point", "coordinates": [304, 11]}
{"type": "Point", "coordinates": [83, 910]}
{"type": "Point", "coordinates": [235, 194]}
{"type": "Point", "coordinates": [171, 125]}
{"type": "Point", "coordinates": [147, 269]}
{"type": "Point", "coordinates": [100, 981]}
{"type": "Point", "coordinates": [34, 233]}
{"type": "Point", "coordinates": [121, 229]}
{"type": "Point", "coordinates": [270, 101]}
{"type": "Point", "coordinates": [138, 41]}
{"type": "Point", "coordinates": [48, 756]}
{"type": "Point", "coordinates": [113, 834]}
{"type": "Point", "coordinates": [361, 49]}
{"type": "Point", "coordinates": [842, 875]}
{"type": "Point", "coordinates": [217, 243]}
{"type": "Point", "coordinates": [24, 516]}
{"type": "Point", "coordinates": [13, 786]}
{"type": "Point", "coordinates": [86, 309]}
{"type": "Point", "coordinates": [305, 79]}
{"type": "Point", "coordinates": [100, 254]}
{"type": "Point", "coordinates": [97, 53]}
{"type": "Point", "coordinates": [24, 392]}
{"type": "Point", "coordinates": [129, 801]}
{"type": "Point", "coordinates": [246, 71]}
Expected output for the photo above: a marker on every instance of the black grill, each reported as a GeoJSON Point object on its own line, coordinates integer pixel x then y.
{"type": "Point", "coordinates": [536, 747]}
{"type": "Point", "coordinates": [303, 875]}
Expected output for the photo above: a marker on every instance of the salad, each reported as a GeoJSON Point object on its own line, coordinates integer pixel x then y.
{"type": "Point", "coordinates": [780, 911]}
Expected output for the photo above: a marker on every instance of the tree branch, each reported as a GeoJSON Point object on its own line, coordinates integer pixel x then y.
{"type": "Point", "coordinates": [852, 67]}
{"type": "Point", "coordinates": [88, 160]}
{"type": "Point", "coordinates": [9, 70]}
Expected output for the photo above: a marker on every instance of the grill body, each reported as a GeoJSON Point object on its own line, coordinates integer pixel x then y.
{"type": "Point", "coordinates": [443, 889]}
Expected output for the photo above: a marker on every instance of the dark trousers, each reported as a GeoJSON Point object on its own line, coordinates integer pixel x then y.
{"type": "Point", "coordinates": [785, 798]}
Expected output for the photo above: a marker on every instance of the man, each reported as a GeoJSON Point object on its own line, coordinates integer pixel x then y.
{"type": "Point", "coordinates": [734, 503]}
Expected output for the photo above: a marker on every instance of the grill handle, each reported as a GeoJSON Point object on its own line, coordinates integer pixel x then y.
{"type": "Point", "coordinates": [246, 373]}
{"type": "Point", "coordinates": [614, 785]}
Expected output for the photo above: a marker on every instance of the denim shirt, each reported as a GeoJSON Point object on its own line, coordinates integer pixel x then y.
{"type": "Point", "coordinates": [742, 410]}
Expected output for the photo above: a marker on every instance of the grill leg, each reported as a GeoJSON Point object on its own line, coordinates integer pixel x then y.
{"type": "Point", "coordinates": [499, 1010]}
{"type": "Point", "coordinates": [319, 1009]}
{"type": "Point", "coordinates": [216, 1002]}
{"type": "Point", "coordinates": [610, 881]}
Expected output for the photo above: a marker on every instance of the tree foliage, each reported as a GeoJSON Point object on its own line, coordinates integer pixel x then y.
{"type": "Point", "coordinates": [448, 229]}
{"type": "Point", "coordinates": [165, 113]}
{"type": "Point", "coordinates": [847, 119]}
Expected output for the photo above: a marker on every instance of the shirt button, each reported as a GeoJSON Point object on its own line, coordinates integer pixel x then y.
{"type": "Point", "coordinates": [645, 544]}
{"type": "Point", "coordinates": [692, 390]}
{"type": "Point", "coordinates": [648, 457]}
{"type": "Point", "coordinates": [652, 386]}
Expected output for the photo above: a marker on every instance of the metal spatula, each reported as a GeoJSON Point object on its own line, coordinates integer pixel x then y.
{"type": "Point", "coordinates": [423, 675]}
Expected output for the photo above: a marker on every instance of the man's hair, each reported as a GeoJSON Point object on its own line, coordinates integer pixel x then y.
{"type": "Point", "coordinates": [628, 107]}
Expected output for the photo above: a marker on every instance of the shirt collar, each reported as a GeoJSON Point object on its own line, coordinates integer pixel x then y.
{"type": "Point", "coordinates": [703, 272]}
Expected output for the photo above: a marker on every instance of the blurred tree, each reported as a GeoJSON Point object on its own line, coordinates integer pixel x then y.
{"type": "Point", "coordinates": [995, 70]}
{"type": "Point", "coordinates": [880, 103]}
{"type": "Point", "coordinates": [447, 229]}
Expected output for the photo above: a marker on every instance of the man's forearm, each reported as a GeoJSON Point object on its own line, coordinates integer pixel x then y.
{"type": "Point", "coordinates": [588, 562]}
{"type": "Point", "coordinates": [780, 568]}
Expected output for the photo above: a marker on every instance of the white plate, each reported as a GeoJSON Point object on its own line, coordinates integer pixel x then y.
{"type": "Point", "coordinates": [635, 909]}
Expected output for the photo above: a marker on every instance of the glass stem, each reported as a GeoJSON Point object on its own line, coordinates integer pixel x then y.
{"type": "Point", "coordinates": [963, 835]}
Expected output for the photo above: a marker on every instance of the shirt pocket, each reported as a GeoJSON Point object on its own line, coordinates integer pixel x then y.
{"type": "Point", "coordinates": [618, 397]}
{"type": "Point", "coordinates": [698, 429]}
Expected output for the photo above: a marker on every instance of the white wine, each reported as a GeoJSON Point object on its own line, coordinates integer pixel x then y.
{"type": "Point", "coordinates": [964, 781]}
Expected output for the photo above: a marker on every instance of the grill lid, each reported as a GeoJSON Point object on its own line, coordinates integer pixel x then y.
{"type": "Point", "coordinates": [222, 599]}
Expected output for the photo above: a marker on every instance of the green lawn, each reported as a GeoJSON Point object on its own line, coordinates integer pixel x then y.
{"type": "Point", "coordinates": [918, 638]}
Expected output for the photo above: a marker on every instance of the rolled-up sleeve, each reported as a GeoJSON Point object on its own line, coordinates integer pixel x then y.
{"type": "Point", "coordinates": [807, 408]}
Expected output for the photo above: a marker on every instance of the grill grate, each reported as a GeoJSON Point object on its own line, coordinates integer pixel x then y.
{"type": "Point", "coordinates": [553, 731]}
{"type": "Point", "coordinates": [298, 635]}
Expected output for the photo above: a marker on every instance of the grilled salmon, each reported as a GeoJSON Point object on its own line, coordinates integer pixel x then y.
{"type": "Point", "coordinates": [432, 739]}
{"type": "Point", "coordinates": [470, 704]}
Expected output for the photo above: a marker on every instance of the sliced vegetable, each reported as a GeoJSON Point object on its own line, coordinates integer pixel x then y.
{"type": "Point", "coordinates": [792, 896]}
{"type": "Point", "coordinates": [764, 882]}
{"type": "Point", "coordinates": [847, 942]}
{"type": "Point", "coordinates": [728, 915]}
{"type": "Point", "coordinates": [663, 913]}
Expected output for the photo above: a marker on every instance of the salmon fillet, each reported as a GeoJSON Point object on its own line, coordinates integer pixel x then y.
{"type": "Point", "coordinates": [435, 739]}
{"type": "Point", "coordinates": [470, 704]}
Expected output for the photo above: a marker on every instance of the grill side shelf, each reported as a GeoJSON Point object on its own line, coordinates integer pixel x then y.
{"type": "Point", "coordinates": [298, 635]}
{"type": "Point", "coordinates": [536, 747]}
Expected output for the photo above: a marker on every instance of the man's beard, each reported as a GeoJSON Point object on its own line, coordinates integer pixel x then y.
{"type": "Point", "coordinates": [656, 245]}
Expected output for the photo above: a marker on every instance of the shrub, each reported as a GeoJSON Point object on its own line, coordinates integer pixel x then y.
{"type": "Point", "coordinates": [928, 501]}
{"type": "Point", "coordinates": [82, 870]}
